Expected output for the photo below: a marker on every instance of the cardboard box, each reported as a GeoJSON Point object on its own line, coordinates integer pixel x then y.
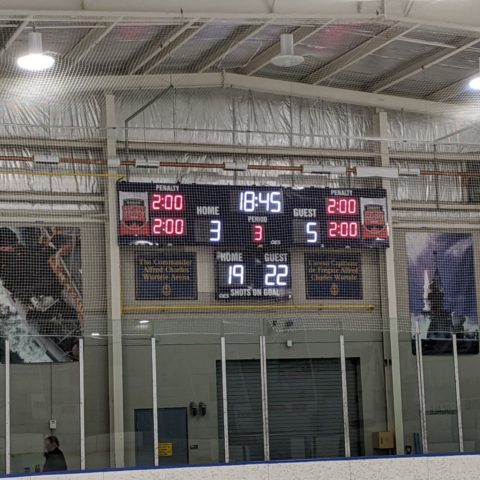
{"type": "Point", "coordinates": [383, 440]}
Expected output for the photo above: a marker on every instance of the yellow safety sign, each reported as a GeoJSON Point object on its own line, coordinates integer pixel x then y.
{"type": "Point", "coordinates": [165, 449]}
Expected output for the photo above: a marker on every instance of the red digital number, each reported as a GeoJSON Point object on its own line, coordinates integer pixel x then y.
{"type": "Point", "coordinates": [258, 233]}
{"type": "Point", "coordinates": [342, 206]}
{"type": "Point", "coordinates": [343, 230]}
{"type": "Point", "coordinates": [352, 208]}
{"type": "Point", "coordinates": [331, 206]}
{"type": "Point", "coordinates": [157, 226]}
{"type": "Point", "coordinates": [168, 227]}
{"type": "Point", "coordinates": [169, 202]}
{"type": "Point", "coordinates": [332, 230]}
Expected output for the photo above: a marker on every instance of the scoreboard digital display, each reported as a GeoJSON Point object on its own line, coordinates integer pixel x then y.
{"type": "Point", "coordinates": [249, 275]}
{"type": "Point", "coordinates": [232, 216]}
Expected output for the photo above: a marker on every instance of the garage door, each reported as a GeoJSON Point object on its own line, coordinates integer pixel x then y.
{"type": "Point", "coordinates": [305, 408]}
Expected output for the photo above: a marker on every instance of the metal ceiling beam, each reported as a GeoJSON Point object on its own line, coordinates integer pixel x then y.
{"type": "Point", "coordinates": [456, 132]}
{"type": "Point", "coordinates": [265, 57]}
{"type": "Point", "coordinates": [227, 46]}
{"type": "Point", "coordinates": [141, 146]}
{"type": "Point", "coordinates": [89, 42]}
{"type": "Point", "coordinates": [172, 48]}
{"type": "Point", "coordinates": [180, 42]}
{"type": "Point", "coordinates": [421, 64]}
{"type": "Point", "coordinates": [156, 49]}
{"type": "Point", "coordinates": [18, 31]}
{"type": "Point", "coordinates": [356, 54]}
{"type": "Point", "coordinates": [451, 90]}
{"type": "Point", "coordinates": [446, 14]}
{"type": "Point", "coordinates": [430, 43]}
{"type": "Point", "coordinates": [352, 97]}
{"type": "Point", "coordinates": [194, 8]}
{"type": "Point", "coordinates": [64, 87]}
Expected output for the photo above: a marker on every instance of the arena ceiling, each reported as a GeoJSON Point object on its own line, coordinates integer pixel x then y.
{"type": "Point", "coordinates": [412, 49]}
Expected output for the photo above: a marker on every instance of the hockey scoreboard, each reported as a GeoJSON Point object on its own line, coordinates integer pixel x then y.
{"type": "Point", "coordinates": [242, 275]}
{"type": "Point", "coordinates": [240, 217]}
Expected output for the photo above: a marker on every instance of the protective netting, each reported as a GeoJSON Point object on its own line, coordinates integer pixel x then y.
{"type": "Point", "coordinates": [57, 134]}
{"type": "Point", "coordinates": [165, 180]}
{"type": "Point", "coordinates": [56, 273]}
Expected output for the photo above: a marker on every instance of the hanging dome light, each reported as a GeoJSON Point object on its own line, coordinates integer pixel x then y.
{"type": "Point", "coordinates": [287, 58]}
{"type": "Point", "coordinates": [35, 60]}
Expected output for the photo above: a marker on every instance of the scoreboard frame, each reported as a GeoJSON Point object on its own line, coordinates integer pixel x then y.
{"type": "Point", "coordinates": [227, 216]}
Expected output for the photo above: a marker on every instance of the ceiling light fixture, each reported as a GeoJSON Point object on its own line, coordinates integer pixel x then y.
{"type": "Point", "coordinates": [474, 83]}
{"type": "Point", "coordinates": [287, 58]}
{"type": "Point", "coordinates": [35, 60]}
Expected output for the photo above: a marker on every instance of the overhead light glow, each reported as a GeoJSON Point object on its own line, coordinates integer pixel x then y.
{"type": "Point", "coordinates": [35, 60]}
{"type": "Point", "coordinates": [144, 322]}
{"type": "Point", "coordinates": [474, 83]}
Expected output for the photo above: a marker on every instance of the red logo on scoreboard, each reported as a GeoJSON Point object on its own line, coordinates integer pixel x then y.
{"type": "Point", "coordinates": [134, 217]}
{"type": "Point", "coordinates": [374, 223]}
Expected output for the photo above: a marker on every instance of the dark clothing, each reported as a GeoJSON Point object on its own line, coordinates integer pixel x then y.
{"type": "Point", "coordinates": [54, 461]}
{"type": "Point", "coordinates": [27, 273]}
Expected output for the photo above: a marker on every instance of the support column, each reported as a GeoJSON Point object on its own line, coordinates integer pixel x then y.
{"type": "Point", "coordinates": [393, 369]}
{"type": "Point", "coordinates": [225, 400]}
{"type": "Point", "coordinates": [81, 360]}
{"type": "Point", "coordinates": [346, 416]}
{"type": "Point", "coordinates": [421, 389]}
{"type": "Point", "coordinates": [115, 360]}
{"type": "Point", "coordinates": [461, 444]}
{"type": "Point", "coordinates": [154, 402]}
{"type": "Point", "coordinates": [264, 384]}
{"type": "Point", "coordinates": [7, 406]}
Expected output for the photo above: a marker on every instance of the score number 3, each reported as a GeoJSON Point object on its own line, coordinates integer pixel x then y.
{"type": "Point", "coordinates": [215, 231]}
{"type": "Point", "coordinates": [258, 233]}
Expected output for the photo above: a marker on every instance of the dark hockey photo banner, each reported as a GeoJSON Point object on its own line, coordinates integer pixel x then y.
{"type": "Point", "coordinates": [442, 291]}
{"type": "Point", "coordinates": [41, 305]}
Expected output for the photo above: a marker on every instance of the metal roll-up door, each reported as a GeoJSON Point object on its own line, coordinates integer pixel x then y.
{"type": "Point", "coordinates": [305, 409]}
{"type": "Point", "coordinates": [355, 408]}
{"type": "Point", "coordinates": [244, 410]}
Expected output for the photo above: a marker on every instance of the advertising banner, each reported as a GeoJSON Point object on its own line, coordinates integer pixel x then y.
{"type": "Point", "coordinates": [333, 276]}
{"type": "Point", "coordinates": [442, 291]}
{"type": "Point", "coordinates": [41, 305]}
{"type": "Point", "coordinates": [166, 277]}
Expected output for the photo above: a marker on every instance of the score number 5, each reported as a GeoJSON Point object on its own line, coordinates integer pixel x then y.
{"type": "Point", "coordinates": [311, 232]}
